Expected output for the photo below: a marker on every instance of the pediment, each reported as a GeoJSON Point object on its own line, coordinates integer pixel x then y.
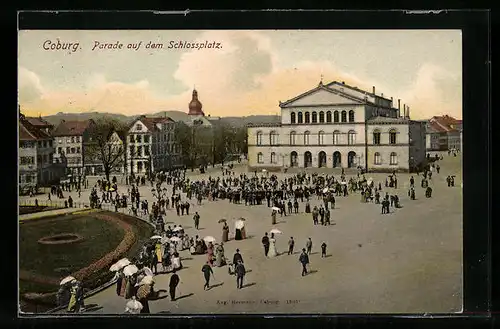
{"type": "Point", "coordinates": [321, 96]}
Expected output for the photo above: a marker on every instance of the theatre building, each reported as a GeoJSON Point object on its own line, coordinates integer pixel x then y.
{"type": "Point", "coordinates": [338, 126]}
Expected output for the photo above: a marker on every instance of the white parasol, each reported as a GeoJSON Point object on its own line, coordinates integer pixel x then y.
{"type": "Point", "coordinates": [275, 231]}
{"type": "Point", "coordinates": [130, 270]}
{"type": "Point", "coordinates": [154, 237]}
{"type": "Point", "coordinates": [325, 190]}
{"type": "Point", "coordinates": [66, 280]}
{"type": "Point", "coordinates": [178, 228]}
{"type": "Point", "coordinates": [239, 224]}
{"type": "Point", "coordinates": [165, 240]}
{"type": "Point", "coordinates": [264, 170]}
{"type": "Point", "coordinates": [343, 183]}
{"type": "Point", "coordinates": [208, 239]}
{"type": "Point", "coordinates": [175, 239]}
{"type": "Point", "coordinates": [119, 265]}
{"type": "Point", "coordinates": [276, 208]}
{"type": "Point", "coordinates": [148, 279]}
{"type": "Point", "coordinates": [133, 306]}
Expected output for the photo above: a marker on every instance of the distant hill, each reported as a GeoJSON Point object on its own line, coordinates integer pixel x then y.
{"type": "Point", "coordinates": [175, 115]}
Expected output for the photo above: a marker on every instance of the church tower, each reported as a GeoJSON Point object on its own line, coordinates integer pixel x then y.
{"type": "Point", "coordinates": [195, 106]}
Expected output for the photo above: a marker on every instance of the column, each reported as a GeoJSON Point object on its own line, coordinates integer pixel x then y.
{"type": "Point", "coordinates": [300, 159]}
{"type": "Point", "coordinates": [345, 158]}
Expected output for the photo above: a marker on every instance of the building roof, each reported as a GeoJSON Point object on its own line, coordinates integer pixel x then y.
{"type": "Point", "coordinates": [380, 119]}
{"type": "Point", "coordinates": [39, 122]}
{"type": "Point", "coordinates": [342, 84]}
{"type": "Point", "coordinates": [72, 128]}
{"type": "Point", "coordinates": [445, 123]}
{"type": "Point", "coordinates": [323, 87]}
{"type": "Point", "coordinates": [27, 131]}
{"type": "Point", "coordinates": [150, 123]}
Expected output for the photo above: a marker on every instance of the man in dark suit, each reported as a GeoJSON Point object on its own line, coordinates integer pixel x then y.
{"type": "Point", "coordinates": [265, 242]}
{"type": "Point", "coordinates": [240, 273]}
{"type": "Point", "coordinates": [174, 281]}
{"type": "Point", "coordinates": [304, 260]}
{"type": "Point", "coordinates": [237, 257]}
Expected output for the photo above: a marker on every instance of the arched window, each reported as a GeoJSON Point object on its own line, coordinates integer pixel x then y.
{"type": "Point", "coordinates": [321, 138]}
{"type": "Point", "coordinates": [377, 159]}
{"type": "Point", "coordinates": [336, 116]}
{"type": "Point", "coordinates": [376, 137]}
{"type": "Point", "coordinates": [351, 137]}
{"type": "Point", "coordinates": [299, 118]}
{"type": "Point", "coordinates": [259, 138]}
{"type": "Point", "coordinates": [394, 158]}
{"type": "Point", "coordinates": [273, 157]}
{"type": "Point", "coordinates": [392, 136]}
{"type": "Point", "coordinates": [307, 118]}
{"type": "Point", "coordinates": [321, 117]}
{"type": "Point", "coordinates": [306, 137]}
{"type": "Point", "coordinates": [273, 138]}
{"type": "Point", "coordinates": [329, 116]}
{"type": "Point", "coordinates": [351, 116]}
{"type": "Point", "coordinates": [292, 117]}
{"type": "Point", "coordinates": [292, 137]}
{"type": "Point", "coordinates": [344, 116]}
{"type": "Point", "coordinates": [315, 117]}
{"type": "Point", "coordinates": [336, 137]}
{"type": "Point", "coordinates": [260, 157]}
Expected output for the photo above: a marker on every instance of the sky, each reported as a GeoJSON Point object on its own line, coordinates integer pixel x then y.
{"type": "Point", "coordinates": [245, 73]}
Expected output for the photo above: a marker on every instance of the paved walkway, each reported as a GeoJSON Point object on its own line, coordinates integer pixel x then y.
{"type": "Point", "coordinates": [55, 212]}
{"type": "Point", "coordinates": [409, 261]}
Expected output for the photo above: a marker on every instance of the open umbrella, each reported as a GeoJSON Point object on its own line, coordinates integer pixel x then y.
{"type": "Point", "coordinates": [264, 170]}
{"type": "Point", "coordinates": [178, 228]}
{"type": "Point", "coordinates": [119, 265]}
{"type": "Point", "coordinates": [175, 239]}
{"type": "Point", "coordinates": [343, 183]}
{"type": "Point", "coordinates": [275, 231]}
{"type": "Point", "coordinates": [148, 271]}
{"type": "Point", "coordinates": [154, 237]}
{"type": "Point", "coordinates": [133, 306]}
{"type": "Point", "coordinates": [130, 270]}
{"type": "Point", "coordinates": [239, 224]}
{"type": "Point", "coordinates": [164, 240]}
{"type": "Point", "coordinates": [222, 220]}
{"type": "Point", "coordinates": [325, 190]}
{"type": "Point", "coordinates": [208, 239]}
{"type": "Point", "coordinates": [66, 280]}
{"type": "Point", "coordinates": [276, 208]}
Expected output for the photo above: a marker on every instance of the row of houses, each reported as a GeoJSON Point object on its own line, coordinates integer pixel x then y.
{"type": "Point", "coordinates": [48, 153]}
{"type": "Point", "coordinates": [443, 133]}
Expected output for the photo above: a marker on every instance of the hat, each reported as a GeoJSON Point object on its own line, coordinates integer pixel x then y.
{"type": "Point", "coordinates": [237, 250]}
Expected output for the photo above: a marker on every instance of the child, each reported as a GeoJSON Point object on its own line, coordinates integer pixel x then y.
{"type": "Point", "coordinates": [323, 250]}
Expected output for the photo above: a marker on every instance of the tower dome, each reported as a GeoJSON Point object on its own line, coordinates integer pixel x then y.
{"type": "Point", "coordinates": [195, 105]}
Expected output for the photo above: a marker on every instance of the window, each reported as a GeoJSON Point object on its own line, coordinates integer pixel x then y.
{"type": "Point", "coordinates": [292, 117]}
{"type": "Point", "coordinates": [344, 116]}
{"type": "Point", "coordinates": [146, 150]}
{"type": "Point", "coordinates": [394, 158]}
{"type": "Point", "coordinates": [67, 150]}
{"type": "Point", "coordinates": [315, 117]}
{"type": "Point", "coordinates": [77, 139]}
{"type": "Point", "coordinates": [139, 165]}
{"type": "Point", "coordinates": [27, 160]}
{"type": "Point", "coordinates": [51, 157]}
{"type": "Point", "coordinates": [60, 141]}
{"type": "Point", "coordinates": [259, 138]}
{"type": "Point", "coordinates": [377, 159]}
{"type": "Point", "coordinates": [307, 119]}
{"type": "Point", "coordinates": [336, 137]}
{"type": "Point", "coordinates": [138, 139]}
{"type": "Point", "coordinates": [260, 158]}
{"type": "Point", "coordinates": [351, 137]}
{"type": "Point", "coordinates": [139, 151]}
{"type": "Point", "coordinates": [392, 136]}
{"type": "Point", "coordinates": [306, 138]}
{"type": "Point", "coordinates": [68, 140]}
{"type": "Point", "coordinates": [146, 138]}
{"type": "Point", "coordinates": [131, 151]}
{"type": "Point", "coordinates": [273, 138]}
{"type": "Point", "coordinates": [273, 157]}
{"type": "Point", "coordinates": [293, 134]}
{"type": "Point", "coordinates": [351, 116]}
{"type": "Point", "coordinates": [376, 137]}
{"type": "Point", "coordinates": [28, 178]}
{"type": "Point", "coordinates": [138, 127]}
{"type": "Point", "coordinates": [72, 139]}
{"type": "Point", "coordinates": [59, 150]}
{"type": "Point", "coordinates": [329, 116]}
{"type": "Point", "coordinates": [78, 150]}
{"type": "Point", "coordinates": [131, 138]}
{"type": "Point", "coordinates": [321, 117]}
{"type": "Point", "coordinates": [321, 138]}
{"type": "Point", "coordinates": [299, 117]}
{"type": "Point", "coordinates": [336, 116]}
{"type": "Point", "coordinates": [50, 143]}
{"type": "Point", "coordinates": [73, 151]}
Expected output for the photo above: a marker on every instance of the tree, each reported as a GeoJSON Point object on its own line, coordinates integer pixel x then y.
{"type": "Point", "coordinates": [104, 145]}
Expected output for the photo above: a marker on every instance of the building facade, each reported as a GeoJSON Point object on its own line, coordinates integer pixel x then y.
{"type": "Point", "coordinates": [338, 126]}
{"type": "Point", "coordinates": [36, 151]}
{"type": "Point", "coordinates": [69, 145]}
{"type": "Point", "coordinates": [444, 133]}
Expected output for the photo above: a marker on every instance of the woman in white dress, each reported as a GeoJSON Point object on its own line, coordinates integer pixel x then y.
{"type": "Point", "coordinates": [272, 247]}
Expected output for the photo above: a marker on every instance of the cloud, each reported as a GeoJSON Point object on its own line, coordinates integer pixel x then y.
{"type": "Point", "coordinates": [29, 85]}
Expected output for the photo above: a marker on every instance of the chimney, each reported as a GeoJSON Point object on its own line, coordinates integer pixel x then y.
{"type": "Point", "coordinates": [404, 111]}
{"type": "Point", "coordinates": [343, 82]}
{"type": "Point", "coordinates": [382, 95]}
{"type": "Point", "coordinates": [408, 112]}
{"type": "Point", "coordinates": [399, 104]}
{"type": "Point", "coordinates": [373, 90]}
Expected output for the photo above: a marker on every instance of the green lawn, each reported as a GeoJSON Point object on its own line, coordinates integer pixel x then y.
{"type": "Point", "coordinates": [100, 237]}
